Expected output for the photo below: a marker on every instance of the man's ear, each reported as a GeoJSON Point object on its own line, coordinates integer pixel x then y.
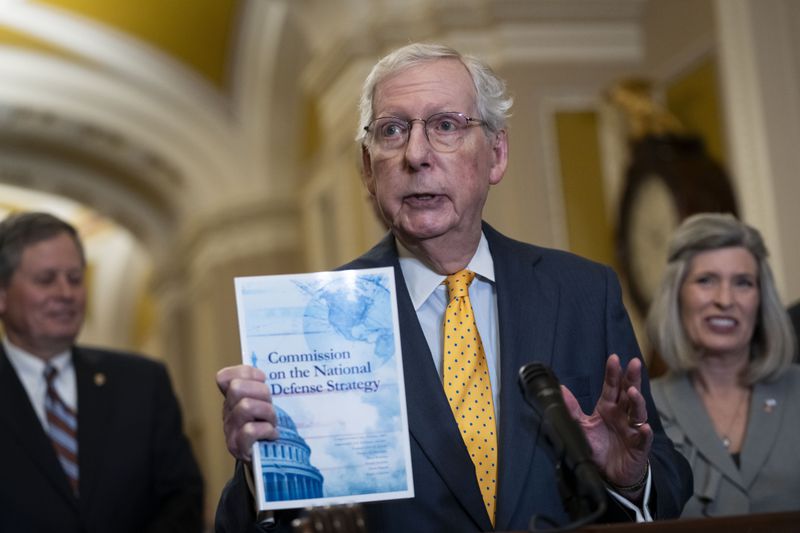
{"type": "Point", "coordinates": [500, 153]}
{"type": "Point", "coordinates": [366, 170]}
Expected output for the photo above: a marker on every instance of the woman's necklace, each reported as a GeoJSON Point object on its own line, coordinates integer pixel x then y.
{"type": "Point", "coordinates": [726, 440]}
{"type": "Point", "coordinates": [725, 434]}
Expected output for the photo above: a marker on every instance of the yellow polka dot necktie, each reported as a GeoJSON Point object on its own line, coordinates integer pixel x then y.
{"type": "Point", "coordinates": [467, 385]}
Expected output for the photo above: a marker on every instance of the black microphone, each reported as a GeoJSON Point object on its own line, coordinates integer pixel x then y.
{"type": "Point", "coordinates": [582, 480]}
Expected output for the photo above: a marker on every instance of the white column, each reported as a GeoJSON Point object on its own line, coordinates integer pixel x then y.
{"type": "Point", "coordinates": [758, 60]}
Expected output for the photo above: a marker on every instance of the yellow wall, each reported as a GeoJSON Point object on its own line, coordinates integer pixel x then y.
{"type": "Point", "coordinates": [694, 99]}
{"type": "Point", "coordinates": [588, 228]}
{"type": "Point", "coordinates": [198, 33]}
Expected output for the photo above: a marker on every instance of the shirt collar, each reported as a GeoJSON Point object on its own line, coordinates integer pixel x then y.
{"type": "Point", "coordinates": [30, 364]}
{"type": "Point", "coordinates": [422, 281]}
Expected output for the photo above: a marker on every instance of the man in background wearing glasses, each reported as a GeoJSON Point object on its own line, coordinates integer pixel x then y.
{"type": "Point", "coordinates": [433, 139]}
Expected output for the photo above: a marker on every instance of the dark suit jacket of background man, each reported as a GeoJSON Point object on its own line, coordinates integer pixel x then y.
{"type": "Point", "coordinates": [136, 466]}
{"type": "Point", "coordinates": [553, 307]}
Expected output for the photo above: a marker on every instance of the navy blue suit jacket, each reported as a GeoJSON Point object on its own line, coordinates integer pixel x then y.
{"type": "Point", "coordinates": [137, 470]}
{"type": "Point", "coordinates": [555, 308]}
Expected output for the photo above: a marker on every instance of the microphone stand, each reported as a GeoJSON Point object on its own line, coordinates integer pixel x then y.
{"type": "Point", "coordinates": [579, 483]}
{"type": "Point", "coordinates": [581, 501]}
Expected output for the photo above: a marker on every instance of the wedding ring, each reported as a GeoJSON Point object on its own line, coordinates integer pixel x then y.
{"type": "Point", "coordinates": [636, 425]}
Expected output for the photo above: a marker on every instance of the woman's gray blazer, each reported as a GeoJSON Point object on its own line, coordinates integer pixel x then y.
{"type": "Point", "coordinates": [769, 477]}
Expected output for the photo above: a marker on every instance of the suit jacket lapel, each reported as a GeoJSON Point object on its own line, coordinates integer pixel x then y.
{"type": "Point", "coordinates": [21, 423]}
{"type": "Point", "coordinates": [430, 419]}
{"type": "Point", "coordinates": [764, 422]}
{"type": "Point", "coordinates": [693, 418]}
{"type": "Point", "coordinates": [94, 409]}
{"type": "Point", "coordinates": [527, 311]}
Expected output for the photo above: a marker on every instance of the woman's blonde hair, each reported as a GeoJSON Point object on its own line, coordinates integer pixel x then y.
{"type": "Point", "coordinates": [773, 343]}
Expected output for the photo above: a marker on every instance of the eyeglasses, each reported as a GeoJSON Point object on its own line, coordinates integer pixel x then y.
{"type": "Point", "coordinates": [445, 131]}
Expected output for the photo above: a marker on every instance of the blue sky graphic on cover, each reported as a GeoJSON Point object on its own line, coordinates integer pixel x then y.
{"type": "Point", "coordinates": [329, 344]}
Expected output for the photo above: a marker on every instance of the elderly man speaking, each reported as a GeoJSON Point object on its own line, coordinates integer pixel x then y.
{"type": "Point", "coordinates": [434, 141]}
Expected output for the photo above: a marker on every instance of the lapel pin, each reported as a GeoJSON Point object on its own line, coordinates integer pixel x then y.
{"type": "Point", "coordinates": [99, 379]}
{"type": "Point", "coordinates": [769, 405]}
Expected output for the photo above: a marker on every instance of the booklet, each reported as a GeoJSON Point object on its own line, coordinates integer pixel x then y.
{"type": "Point", "coordinates": [329, 344]}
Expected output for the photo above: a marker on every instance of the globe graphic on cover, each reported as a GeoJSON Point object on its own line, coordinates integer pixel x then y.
{"type": "Point", "coordinates": [358, 314]}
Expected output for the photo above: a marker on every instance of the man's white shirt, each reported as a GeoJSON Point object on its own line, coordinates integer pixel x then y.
{"type": "Point", "coordinates": [30, 370]}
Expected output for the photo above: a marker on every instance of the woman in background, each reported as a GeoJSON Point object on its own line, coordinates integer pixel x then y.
{"type": "Point", "coordinates": [731, 399]}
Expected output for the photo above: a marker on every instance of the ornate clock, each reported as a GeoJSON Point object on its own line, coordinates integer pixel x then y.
{"type": "Point", "coordinates": [670, 177]}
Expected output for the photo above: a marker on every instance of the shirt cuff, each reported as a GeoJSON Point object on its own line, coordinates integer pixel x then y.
{"type": "Point", "coordinates": [643, 513]}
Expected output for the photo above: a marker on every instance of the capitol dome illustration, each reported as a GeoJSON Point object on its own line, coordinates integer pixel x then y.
{"type": "Point", "coordinates": [285, 464]}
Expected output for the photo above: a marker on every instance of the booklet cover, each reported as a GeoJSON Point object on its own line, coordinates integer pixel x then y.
{"type": "Point", "coordinates": [329, 344]}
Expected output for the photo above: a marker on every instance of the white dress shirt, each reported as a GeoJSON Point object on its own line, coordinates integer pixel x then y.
{"type": "Point", "coordinates": [30, 370]}
{"type": "Point", "coordinates": [429, 297]}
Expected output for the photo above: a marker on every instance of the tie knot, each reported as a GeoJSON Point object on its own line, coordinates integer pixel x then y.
{"type": "Point", "coordinates": [458, 284]}
{"type": "Point", "coordinates": [50, 374]}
